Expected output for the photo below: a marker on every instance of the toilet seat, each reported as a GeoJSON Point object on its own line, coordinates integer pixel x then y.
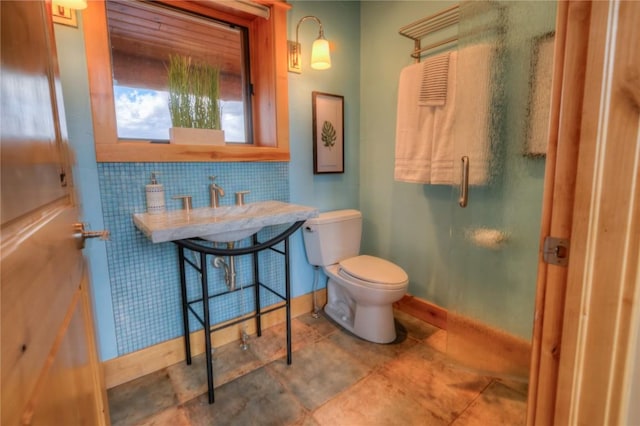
{"type": "Point", "coordinates": [373, 272]}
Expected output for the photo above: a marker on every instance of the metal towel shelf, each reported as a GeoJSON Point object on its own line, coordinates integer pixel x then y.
{"type": "Point", "coordinates": [417, 30]}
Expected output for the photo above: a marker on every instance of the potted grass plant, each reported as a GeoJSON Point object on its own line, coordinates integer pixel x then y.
{"type": "Point", "coordinates": [194, 92]}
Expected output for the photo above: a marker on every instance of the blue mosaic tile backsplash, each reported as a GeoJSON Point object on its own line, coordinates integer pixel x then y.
{"type": "Point", "coordinates": [144, 277]}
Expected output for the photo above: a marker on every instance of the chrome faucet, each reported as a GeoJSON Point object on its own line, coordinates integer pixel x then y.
{"type": "Point", "coordinates": [215, 192]}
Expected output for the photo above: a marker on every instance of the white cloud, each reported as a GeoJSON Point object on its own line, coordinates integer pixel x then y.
{"type": "Point", "coordinates": [233, 121]}
{"type": "Point", "coordinates": [142, 113]}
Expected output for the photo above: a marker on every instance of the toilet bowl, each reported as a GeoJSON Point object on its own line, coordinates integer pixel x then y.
{"type": "Point", "coordinates": [360, 288]}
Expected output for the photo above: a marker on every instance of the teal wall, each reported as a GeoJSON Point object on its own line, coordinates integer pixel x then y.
{"type": "Point", "coordinates": [135, 298]}
{"type": "Point", "coordinates": [75, 85]}
{"type": "Point", "coordinates": [341, 23]}
{"type": "Point", "coordinates": [403, 222]}
{"type": "Point", "coordinates": [409, 224]}
{"type": "Point", "coordinates": [128, 313]}
{"type": "Point", "coordinates": [421, 227]}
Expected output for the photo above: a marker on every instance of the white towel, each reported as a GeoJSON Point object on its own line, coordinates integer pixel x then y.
{"type": "Point", "coordinates": [435, 75]}
{"type": "Point", "coordinates": [414, 129]}
{"type": "Point", "coordinates": [431, 140]}
{"type": "Point", "coordinates": [442, 166]}
{"type": "Point", "coordinates": [472, 121]}
{"type": "Point", "coordinates": [423, 132]}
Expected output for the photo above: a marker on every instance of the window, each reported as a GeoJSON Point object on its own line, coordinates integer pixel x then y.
{"type": "Point", "coordinates": [142, 37]}
{"type": "Point", "coordinates": [265, 130]}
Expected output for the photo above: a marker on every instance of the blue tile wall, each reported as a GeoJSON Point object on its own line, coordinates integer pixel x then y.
{"type": "Point", "coordinates": [144, 277]}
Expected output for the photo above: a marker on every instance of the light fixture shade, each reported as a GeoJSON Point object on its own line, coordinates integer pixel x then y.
{"type": "Point", "coordinates": [71, 4]}
{"type": "Point", "coordinates": [320, 56]}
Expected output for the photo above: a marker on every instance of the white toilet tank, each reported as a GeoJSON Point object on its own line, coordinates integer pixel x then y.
{"type": "Point", "coordinates": [332, 237]}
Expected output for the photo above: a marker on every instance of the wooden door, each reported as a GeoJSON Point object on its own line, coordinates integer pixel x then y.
{"type": "Point", "coordinates": [587, 314]}
{"type": "Point", "coordinates": [49, 367]}
{"type": "Point", "coordinates": [603, 282]}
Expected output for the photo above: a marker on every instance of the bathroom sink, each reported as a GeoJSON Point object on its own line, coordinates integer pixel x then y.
{"type": "Point", "coordinates": [228, 236]}
{"type": "Point", "coordinates": [220, 224]}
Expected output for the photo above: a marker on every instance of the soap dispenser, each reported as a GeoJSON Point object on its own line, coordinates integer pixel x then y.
{"type": "Point", "coordinates": [155, 195]}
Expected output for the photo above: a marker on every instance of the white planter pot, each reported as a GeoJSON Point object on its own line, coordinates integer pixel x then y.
{"type": "Point", "coordinates": [192, 136]}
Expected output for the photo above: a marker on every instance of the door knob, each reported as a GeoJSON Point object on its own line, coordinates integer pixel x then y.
{"type": "Point", "coordinates": [82, 234]}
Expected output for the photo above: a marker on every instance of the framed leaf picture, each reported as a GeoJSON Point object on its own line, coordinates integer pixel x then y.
{"type": "Point", "coordinates": [328, 133]}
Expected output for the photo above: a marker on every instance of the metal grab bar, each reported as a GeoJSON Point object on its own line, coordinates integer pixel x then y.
{"type": "Point", "coordinates": [464, 183]}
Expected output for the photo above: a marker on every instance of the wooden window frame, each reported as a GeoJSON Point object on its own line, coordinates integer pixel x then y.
{"type": "Point", "coordinates": [267, 40]}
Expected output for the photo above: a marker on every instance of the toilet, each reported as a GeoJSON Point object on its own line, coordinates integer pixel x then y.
{"type": "Point", "coordinates": [360, 288]}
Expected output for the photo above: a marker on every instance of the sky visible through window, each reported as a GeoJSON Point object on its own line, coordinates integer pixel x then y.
{"type": "Point", "coordinates": [144, 114]}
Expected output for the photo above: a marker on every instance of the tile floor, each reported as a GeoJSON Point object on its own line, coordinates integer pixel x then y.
{"type": "Point", "coordinates": [335, 379]}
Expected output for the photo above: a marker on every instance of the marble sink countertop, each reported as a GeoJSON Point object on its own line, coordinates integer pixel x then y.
{"type": "Point", "coordinates": [180, 224]}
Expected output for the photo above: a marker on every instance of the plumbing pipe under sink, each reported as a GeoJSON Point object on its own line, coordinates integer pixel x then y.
{"type": "Point", "coordinates": [229, 267]}
{"type": "Point", "coordinates": [230, 279]}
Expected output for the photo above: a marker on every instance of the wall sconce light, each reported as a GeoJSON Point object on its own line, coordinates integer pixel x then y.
{"type": "Point", "coordinates": [71, 4]}
{"type": "Point", "coordinates": [320, 56]}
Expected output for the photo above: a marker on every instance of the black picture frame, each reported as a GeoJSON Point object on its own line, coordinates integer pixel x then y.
{"type": "Point", "coordinates": [328, 133]}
